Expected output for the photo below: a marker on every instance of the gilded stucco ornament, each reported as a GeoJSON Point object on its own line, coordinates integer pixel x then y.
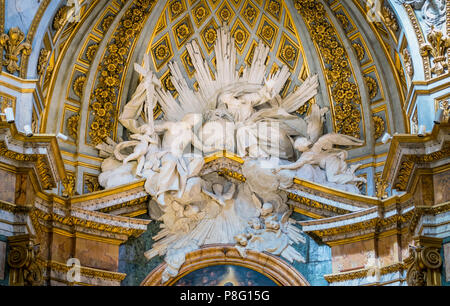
{"type": "Point", "coordinates": [104, 99]}
{"type": "Point", "coordinates": [389, 18]}
{"type": "Point", "coordinates": [42, 61]}
{"type": "Point", "coordinates": [372, 86]}
{"type": "Point", "coordinates": [347, 109]}
{"type": "Point", "coordinates": [437, 46]}
{"type": "Point", "coordinates": [379, 126]}
{"type": "Point", "coordinates": [424, 262]}
{"type": "Point", "coordinates": [72, 126]}
{"type": "Point", "coordinates": [407, 61]}
{"type": "Point", "coordinates": [380, 188]}
{"type": "Point", "coordinates": [59, 18]}
{"type": "Point", "coordinates": [13, 45]}
{"type": "Point", "coordinates": [91, 51]}
{"type": "Point", "coordinates": [360, 52]}
{"type": "Point", "coordinates": [25, 269]}
{"type": "Point", "coordinates": [69, 185]}
{"type": "Point", "coordinates": [41, 163]}
{"type": "Point", "coordinates": [78, 85]}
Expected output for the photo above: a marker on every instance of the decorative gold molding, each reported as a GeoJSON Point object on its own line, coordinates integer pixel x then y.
{"type": "Point", "coordinates": [42, 166]}
{"type": "Point", "coordinates": [409, 161]}
{"type": "Point", "coordinates": [2, 15]}
{"type": "Point", "coordinates": [420, 39]}
{"type": "Point", "coordinates": [25, 270]}
{"type": "Point", "coordinates": [30, 35]}
{"type": "Point", "coordinates": [132, 203]}
{"type": "Point", "coordinates": [317, 205]}
{"type": "Point", "coordinates": [105, 100]}
{"type": "Point", "coordinates": [424, 262]}
{"type": "Point", "coordinates": [363, 273]}
{"type": "Point", "coordinates": [427, 210]}
{"type": "Point", "coordinates": [13, 208]}
{"type": "Point", "coordinates": [88, 224]}
{"type": "Point", "coordinates": [347, 111]}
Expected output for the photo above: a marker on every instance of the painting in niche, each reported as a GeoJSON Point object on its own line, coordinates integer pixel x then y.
{"type": "Point", "coordinates": [225, 275]}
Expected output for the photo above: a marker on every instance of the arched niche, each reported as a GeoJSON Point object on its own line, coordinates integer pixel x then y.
{"type": "Point", "coordinates": [270, 266]}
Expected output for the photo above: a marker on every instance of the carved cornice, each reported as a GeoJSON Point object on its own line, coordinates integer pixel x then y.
{"type": "Point", "coordinates": [41, 140]}
{"type": "Point", "coordinates": [73, 221]}
{"type": "Point", "coordinates": [5, 206]}
{"type": "Point", "coordinates": [409, 161]}
{"type": "Point", "coordinates": [399, 164]}
{"type": "Point", "coordinates": [41, 162]}
{"type": "Point", "coordinates": [339, 233]}
{"type": "Point", "coordinates": [85, 271]}
{"type": "Point", "coordinates": [427, 210]}
{"type": "Point", "coordinates": [341, 277]}
{"type": "Point", "coordinates": [133, 203]}
{"type": "Point", "coordinates": [363, 273]}
{"type": "Point", "coordinates": [316, 205]}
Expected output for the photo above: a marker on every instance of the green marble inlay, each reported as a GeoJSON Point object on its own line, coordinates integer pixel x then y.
{"type": "Point", "coordinates": [131, 256]}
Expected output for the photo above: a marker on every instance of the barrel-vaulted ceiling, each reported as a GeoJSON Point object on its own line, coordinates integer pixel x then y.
{"type": "Point", "coordinates": [86, 73]}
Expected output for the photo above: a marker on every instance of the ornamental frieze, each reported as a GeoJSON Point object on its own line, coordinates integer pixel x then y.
{"type": "Point", "coordinates": [105, 95]}
{"type": "Point", "coordinates": [339, 75]}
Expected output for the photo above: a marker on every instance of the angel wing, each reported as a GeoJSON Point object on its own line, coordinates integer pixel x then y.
{"type": "Point", "coordinates": [315, 122]}
{"type": "Point", "coordinates": [326, 142]}
{"type": "Point", "coordinates": [303, 94]}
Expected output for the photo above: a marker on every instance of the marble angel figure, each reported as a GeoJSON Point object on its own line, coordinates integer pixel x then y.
{"type": "Point", "coordinates": [144, 99]}
{"type": "Point", "coordinates": [324, 155]}
{"type": "Point", "coordinates": [177, 166]}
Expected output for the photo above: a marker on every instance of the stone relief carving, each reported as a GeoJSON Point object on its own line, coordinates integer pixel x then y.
{"type": "Point", "coordinates": [433, 11]}
{"type": "Point", "coordinates": [436, 47]}
{"type": "Point", "coordinates": [14, 44]}
{"type": "Point", "coordinates": [241, 113]}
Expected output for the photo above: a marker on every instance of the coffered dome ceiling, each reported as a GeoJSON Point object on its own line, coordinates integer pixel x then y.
{"type": "Point", "coordinates": [90, 77]}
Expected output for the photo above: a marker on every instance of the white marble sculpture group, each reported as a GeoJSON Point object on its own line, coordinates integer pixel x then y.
{"type": "Point", "coordinates": [238, 113]}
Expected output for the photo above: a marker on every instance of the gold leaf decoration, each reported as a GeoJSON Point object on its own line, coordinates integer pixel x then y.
{"type": "Point", "coordinates": [78, 85]}
{"type": "Point", "coordinates": [379, 126]}
{"type": "Point", "coordinates": [339, 75]}
{"type": "Point", "coordinates": [111, 69]}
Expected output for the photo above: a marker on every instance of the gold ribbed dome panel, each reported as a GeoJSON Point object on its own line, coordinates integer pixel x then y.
{"type": "Point", "coordinates": [250, 22]}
